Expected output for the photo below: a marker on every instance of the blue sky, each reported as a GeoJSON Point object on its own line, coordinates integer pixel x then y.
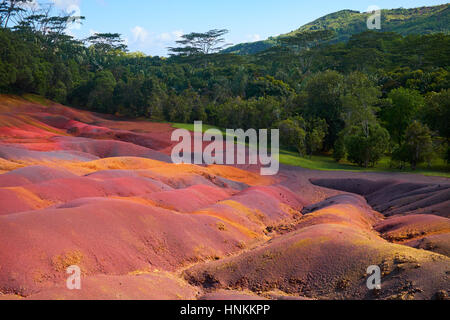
{"type": "Point", "coordinates": [152, 25]}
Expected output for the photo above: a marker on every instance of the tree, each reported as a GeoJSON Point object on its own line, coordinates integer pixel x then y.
{"type": "Point", "coordinates": [307, 39]}
{"type": "Point", "coordinates": [129, 98]}
{"type": "Point", "coordinates": [292, 134]}
{"type": "Point", "coordinates": [156, 94]}
{"type": "Point", "coordinates": [200, 43]}
{"type": "Point", "coordinates": [364, 149]}
{"type": "Point", "coordinates": [418, 145]}
{"type": "Point", "coordinates": [10, 9]}
{"type": "Point", "coordinates": [177, 108]}
{"type": "Point", "coordinates": [58, 92]}
{"type": "Point", "coordinates": [359, 102]}
{"type": "Point", "coordinates": [107, 42]}
{"type": "Point", "coordinates": [447, 155]}
{"type": "Point", "coordinates": [317, 130]}
{"type": "Point", "coordinates": [405, 104]}
{"type": "Point", "coordinates": [339, 151]}
{"type": "Point", "coordinates": [359, 105]}
{"type": "Point", "coordinates": [105, 47]}
{"type": "Point", "coordinates": [324, 91]}
{"type": "Point", "coordinates": [53, 28]}
{"type": "Point", "coordinates": [101, 96]}
{"type": "Point", "coordinates": [239, 82]}
{"type": "Point", "coordinates": [436, 113]}
{"type": "Point", "coordinates": [268, 86]}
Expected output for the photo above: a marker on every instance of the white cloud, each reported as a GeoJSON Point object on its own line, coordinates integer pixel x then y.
{"type": "Point", "coordinates": [170, 36]}
{"type": "Point", "coordinates": [140, 35]}
{"type": "Point", "coordinates": [32, 5]}
{"type": "Point", "coordinates": [165, 36]}
{"type": "Point", "coordinates": [70, 7]}
{"type": "Point", "coordinates": [67, 4]}
{"type": "Point", "coordinates": [254, 37]}
{"type": "Point", "coordinates": [151, 42]}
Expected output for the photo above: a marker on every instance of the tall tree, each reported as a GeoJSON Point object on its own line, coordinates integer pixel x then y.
{"type": "Point", "coordinates": [402, 111]}
{"type": "Point", "coordinates": [104, 48]}
{"type": "Point", "coordinates": [200, 43]}
{"type": "Point", "coordinates": [292, 134]}
{"type": "Point", "coordinates": [360, 101]}
{"type": "Point", "coordinates": [436, 113]}
{"type": "Point", "coordinates": [316, 131]}
{"type": "Point", "coordinates": [101, 95]}
{"type": "Point", "coordinates": [10, 9]}
{"type": "Point", "coordinates": [324, 92]}
{"type": "Point", "coordinates": [107, 42]}
{"type": "Point", "coordinates": [307, 39]}
{"type": "Point", "coordinates": [366, 149]}
{"type": "Point", "coordinates": [418, 145]}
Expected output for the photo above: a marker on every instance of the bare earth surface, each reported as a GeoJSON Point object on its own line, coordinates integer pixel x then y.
{"type": "Point", "coordinates": [82, 189]}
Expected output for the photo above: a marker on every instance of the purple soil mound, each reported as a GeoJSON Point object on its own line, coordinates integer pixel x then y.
{"type": "Point", "coordinates": [100, 131]}
{"type": "Point", "coordinates": [326, 261]}
{"type": "Point", "coordinates": [326, 256]}
{"type": "Point", "coordinates": [426, 232]}
{"type": "Point", "coordinates": [104, 237]}
{"type": "Point", "coordinates": [396, 197]}
{"type": "Point", "coordinates": [110, 148]}
{"type": "Point", "coordinates": [57, 191]}
{"type": "Point", "coordinates": [359, 186]}
{"type": "Point", "coordinates": [13, 153]}
{"type": "Point", "coordinates": [439, 243]}
{"type": "Point", "coordinates": [189, 199]}
{"type": "Point", "coordinates": [33, 174]}
{"type": "Point", "coordinates": [223, 295]}
{"type": "Point", "coordinates": [349, 210]}
{"type": "Point", "coordinates": [155, 286]}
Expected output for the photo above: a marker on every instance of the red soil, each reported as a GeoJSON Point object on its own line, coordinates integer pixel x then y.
{"type": "Point", "coordinates": [419, 231]}
{"type": "Point", "coordinates": [396, 197]}
{"type": "Point", "coordinates": [326, 259]}
{"type": "Point", "coordinates": [152, 286]}
{"type": "Point", "coordinates": [78, 188]}
{"type": "Point", "coordinates": [104, 237]}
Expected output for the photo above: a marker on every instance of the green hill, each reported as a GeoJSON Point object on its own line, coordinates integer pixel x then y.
{"type": "Point", "coordinates": [345, 23]}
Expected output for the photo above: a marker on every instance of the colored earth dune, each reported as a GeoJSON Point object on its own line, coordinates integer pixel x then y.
{"type": "Point", "coordinates": [78, 188]}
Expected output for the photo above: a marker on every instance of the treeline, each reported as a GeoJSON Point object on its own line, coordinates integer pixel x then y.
{"type": "Point", "coordinates": [377, 94]}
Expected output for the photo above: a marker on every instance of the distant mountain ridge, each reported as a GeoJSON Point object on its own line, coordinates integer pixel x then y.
{"type": "Point", "coordinates": [345, 23]}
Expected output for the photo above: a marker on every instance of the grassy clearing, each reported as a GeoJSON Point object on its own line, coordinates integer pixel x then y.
{"type": "Point", "coordinates": [326, 163]}
{"type": "Point", "coordinates": [190, 127]}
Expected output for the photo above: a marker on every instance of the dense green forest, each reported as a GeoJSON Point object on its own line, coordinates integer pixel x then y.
{"type": "Point", "coordinates": [346, 23]}
{"type": "Point", "coordinates": [379, 93]}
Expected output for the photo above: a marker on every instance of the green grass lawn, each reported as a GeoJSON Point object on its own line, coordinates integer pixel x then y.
{"type": "Point", "coordinates": [190, 126]}
{"type": "Point", "coordinates": [326, 163]}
